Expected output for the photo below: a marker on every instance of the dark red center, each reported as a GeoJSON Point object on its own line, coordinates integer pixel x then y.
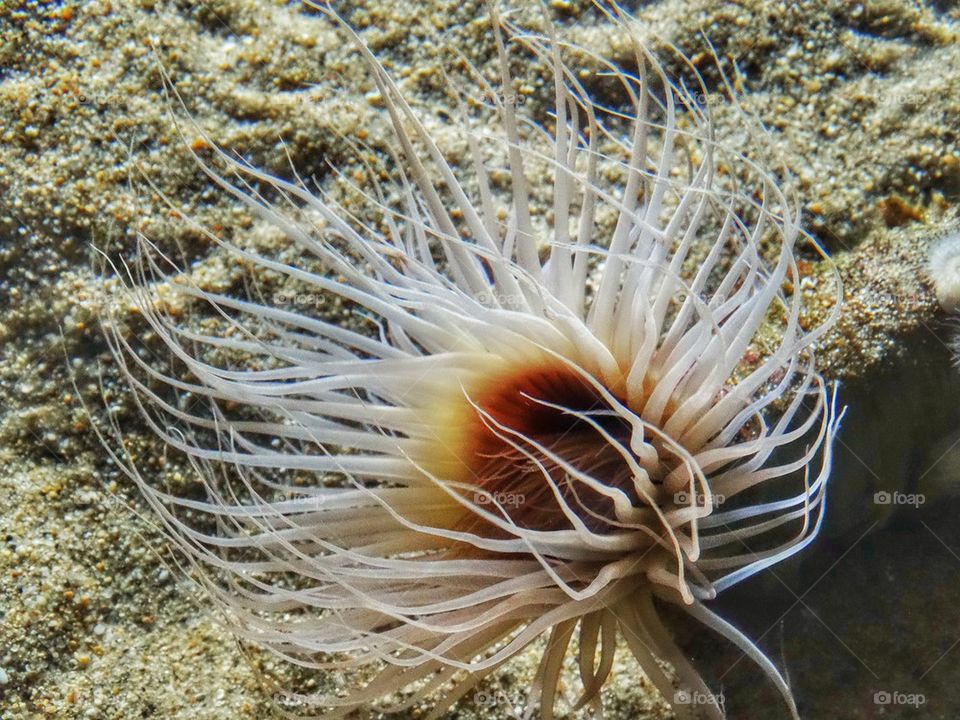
{"type": "Point", "coordinates": [540, 427]}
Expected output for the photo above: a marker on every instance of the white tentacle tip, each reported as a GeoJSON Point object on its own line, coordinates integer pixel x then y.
{"type": "Point", "coordinates": [943, 269]}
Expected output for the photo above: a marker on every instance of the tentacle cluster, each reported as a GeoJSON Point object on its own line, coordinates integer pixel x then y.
{"type": "Point", "coordinates": [560, 417]}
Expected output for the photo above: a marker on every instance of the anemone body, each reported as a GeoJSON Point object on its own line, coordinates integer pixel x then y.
{"type": "Point", "coordinates": [560, 420]}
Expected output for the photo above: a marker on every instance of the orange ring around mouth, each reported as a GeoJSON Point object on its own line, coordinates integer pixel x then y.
{"type": "Point", "coordinates": [512, 438]}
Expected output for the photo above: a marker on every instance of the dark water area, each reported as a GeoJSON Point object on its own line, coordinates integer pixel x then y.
{"type": "Point", "coordinates": [865, 623]}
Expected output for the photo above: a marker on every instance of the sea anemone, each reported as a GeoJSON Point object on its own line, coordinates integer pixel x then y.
{"type": "Point", "coordinates": [543, 421]}
{"type": "Point", "coordinates": [943, 270]}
